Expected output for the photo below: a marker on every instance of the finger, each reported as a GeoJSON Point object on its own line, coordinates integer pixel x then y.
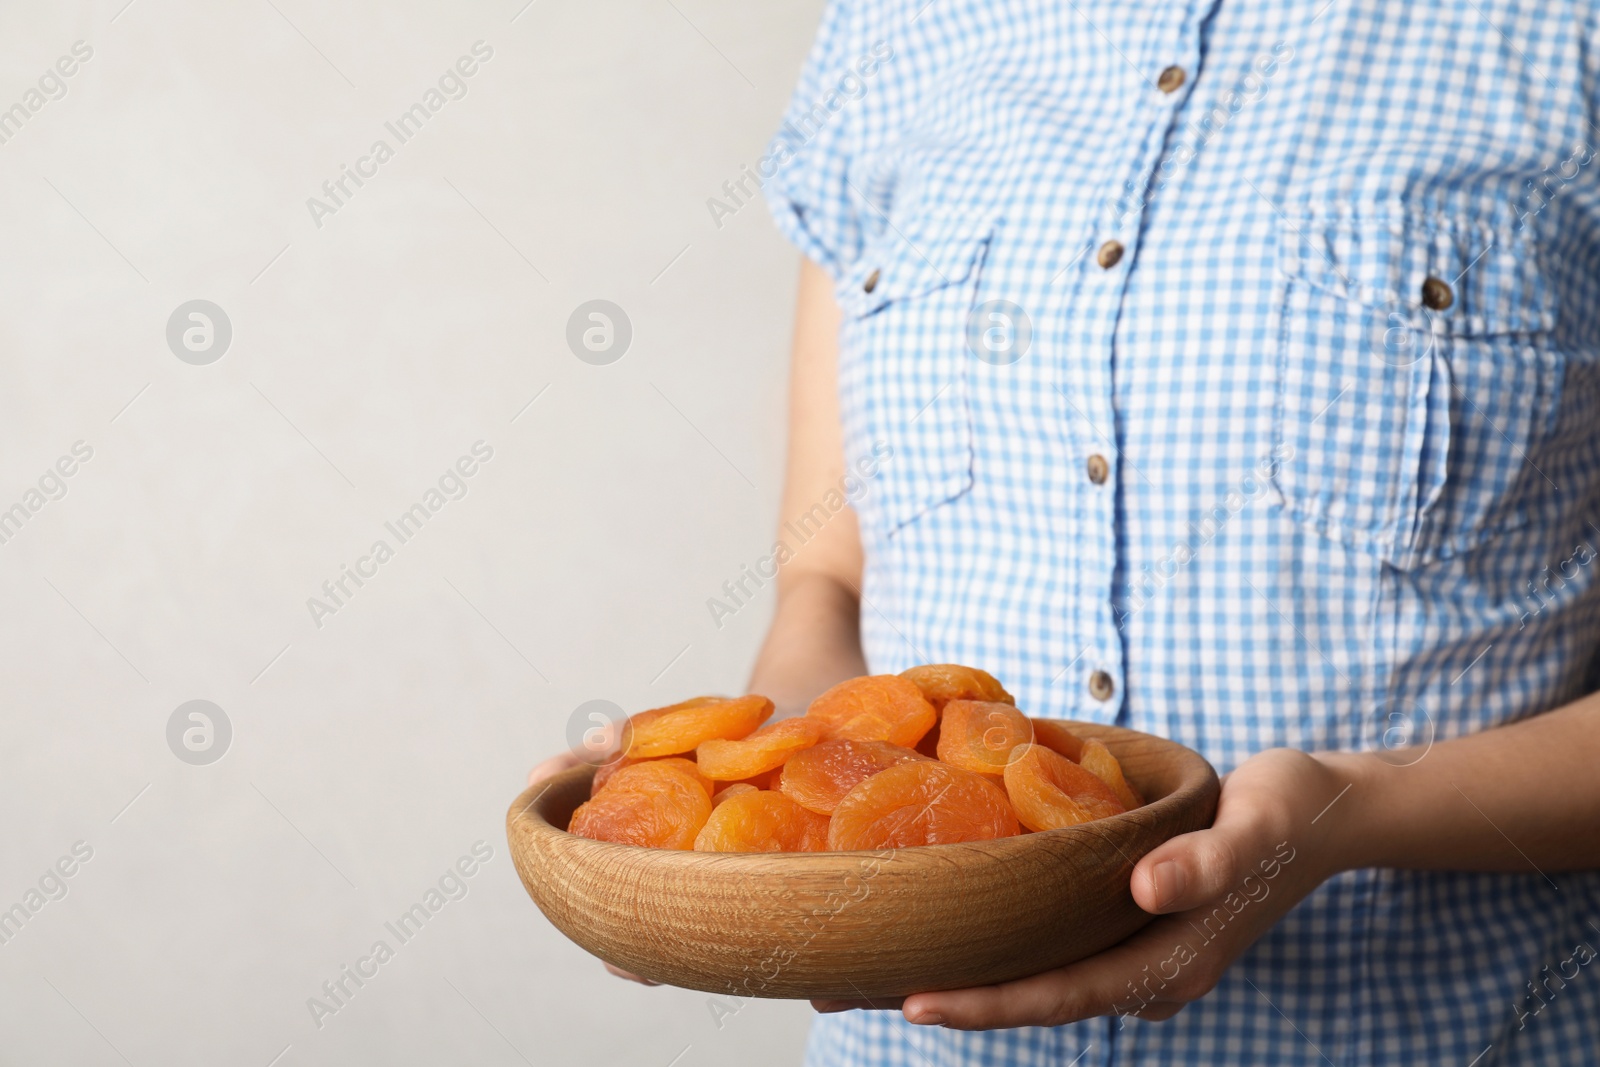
{"type": "Point", "coordinates": [827, 1007]}
{"type": "Point", "coordinates": [1048, 999]}
{"type": "Point", "coordinates": [1197, 868]}
{"type": "Point", "coordinates": [552, 767]}
{"type": "Point", "coordinates": [629, 975]}
{"type": "Point", "coordinates": [1096, 986]}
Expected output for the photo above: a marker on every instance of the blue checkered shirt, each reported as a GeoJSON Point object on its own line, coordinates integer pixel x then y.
{"type": "Point", "coordinates": [1239, 367]}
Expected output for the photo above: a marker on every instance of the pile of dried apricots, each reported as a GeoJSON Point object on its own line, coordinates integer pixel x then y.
{"type": "Point", "coordinates": [935, 755]}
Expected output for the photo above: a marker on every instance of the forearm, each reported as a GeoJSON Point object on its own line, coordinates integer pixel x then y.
{"type": "Point", "coordinates": [814, 642]}
{"type": "Point", "coordinates": [1521, 797]}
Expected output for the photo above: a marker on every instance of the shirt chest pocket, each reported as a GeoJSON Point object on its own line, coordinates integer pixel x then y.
{"type": "Point", "coordinates": [1414, 376]}
{"type": "Point", "coordinates": [908, 305]}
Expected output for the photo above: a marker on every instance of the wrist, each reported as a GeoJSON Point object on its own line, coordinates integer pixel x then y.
{"type": "Point", "coordinates": [1347, 825]}
{"type": "Point", "coordinates": [812, 643]}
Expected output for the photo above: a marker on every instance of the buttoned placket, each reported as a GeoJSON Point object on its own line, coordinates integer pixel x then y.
{"type": "Point", "coordinates": [1169, 63]}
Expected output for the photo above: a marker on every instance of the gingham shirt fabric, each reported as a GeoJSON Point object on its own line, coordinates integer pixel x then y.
{"type": "Point", "coordinates": [1339, 515]}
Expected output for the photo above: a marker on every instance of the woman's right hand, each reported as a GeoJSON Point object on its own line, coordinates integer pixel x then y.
{"type": "Point", "coordinates": [552, 767]}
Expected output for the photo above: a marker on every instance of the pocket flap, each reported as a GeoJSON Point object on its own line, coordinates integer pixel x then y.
{"type": "Point", "coordinates": [1492, 274]}
{"type": "Point", "coordinates": [914, 256]}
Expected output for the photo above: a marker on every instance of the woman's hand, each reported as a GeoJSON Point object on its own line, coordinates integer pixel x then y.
{"type": "Point", "coordinates": [552, 767]}
{"type": "Point", "coordinates": [1277, 837]}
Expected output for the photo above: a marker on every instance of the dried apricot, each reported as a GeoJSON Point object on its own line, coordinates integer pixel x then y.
{"type": "Point", "coordinates": [924, 802]}
{"type": "Point", "coordinates": [683, 727]}
{"type": "Point", "coordinates": [764, 750]}
{"type": "Point", "coordinates": [819, 777]}
{"type": "Point", "coordinates": [941, 683]}
{"type": "Point", "coordinates": [732, 790]}
{"type": "Point", "coordinates": [1098, 760]}
{"type": "Point", "coordinates": [1049, 791]}
{"type": "Point", "coordinates": [760, 821]}
{"type": "Point", "coordinates": [641, 718]}
{"type": "Point", "coordinates": [654, 804]}
{"type": "Point", "coordinates": [980, 736]}
{"type": "Point", "coordinates": [1057, 738]}
{"type": "Point", "coordinates": [606, 771]}
{"type": "Point", "coordinates": [878, 707]}
{"type": "Point", "coordinates": [603, 773]}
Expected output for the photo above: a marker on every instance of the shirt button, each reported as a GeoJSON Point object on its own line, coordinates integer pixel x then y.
{"type": "Point", "coordinates": [1100, 685]}
{"type": "Point", "coordinates": [1437, 294]}
{"type": "Point", "coordinates": [1171, 79]}
{"type": "Point", "coordinates": [1098, 469]}
{"type": "Point", "coordinates": [1110, 254]}
{"type": "Point", "coordinates": [871, 283]}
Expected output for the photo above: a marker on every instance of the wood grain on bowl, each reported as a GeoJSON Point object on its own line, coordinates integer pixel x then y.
{"type": "Point", "coordinates": [859, 924]}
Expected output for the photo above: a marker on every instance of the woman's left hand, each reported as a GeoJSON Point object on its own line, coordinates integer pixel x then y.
{"type": "Point", "coordinates": [1277, 836]}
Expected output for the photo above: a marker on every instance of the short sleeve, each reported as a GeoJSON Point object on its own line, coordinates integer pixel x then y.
{"type": "Point", "coordinates": [805, 171]}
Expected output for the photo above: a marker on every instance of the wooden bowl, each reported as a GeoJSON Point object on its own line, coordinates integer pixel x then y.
{"type": "Point", "coordinates": [859, 924]}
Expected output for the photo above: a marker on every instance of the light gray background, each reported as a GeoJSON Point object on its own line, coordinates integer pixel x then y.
{"type": "Point", "coordinates": [367, 355]}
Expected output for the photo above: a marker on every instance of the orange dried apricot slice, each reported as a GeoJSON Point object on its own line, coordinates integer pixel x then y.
{"type": "Point", "coordinates": [761, 821]}
{"type": "Point", "coordinates": [819, 777]}
{"type": "Point", "coordinates": [1057, 738]}
{"type": "Point", "coordinates": [733, 790]}
{"type": "Point", "coordinates": [878, 707]}
{"type": "Point", "coordinates": [639, 718]}
{"type": "Point", "coordinates": [921, 803]}
{"type": "Point", "coordinates": [606, 771]}
{"type": "Point", "coordinates": [766, 749]}
{"type": "Point", "coordinates": [1098, 761]}
{"type": "Point", "coordinates": [620, 755]}
{"type": "Point", "coordinates": [684, 727]}
{"type": "Point", "coordinates": [1049, 791]}
{"type": "Point", "coordinates": [941, 683]}
{"type": "Point", "coordinates": [603, 773]}
{"type": "Point", "coordinates": [981, 735]}
{"type": "Point", "coordinates": [654, 804]}
{"type": "Point", "coordinates": [769, 780]}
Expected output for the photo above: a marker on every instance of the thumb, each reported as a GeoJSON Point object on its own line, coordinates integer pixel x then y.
{"type": "Point", "coordinates": [1200, 867]}
{"type": "Point", "coordinates": [552, 767]}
